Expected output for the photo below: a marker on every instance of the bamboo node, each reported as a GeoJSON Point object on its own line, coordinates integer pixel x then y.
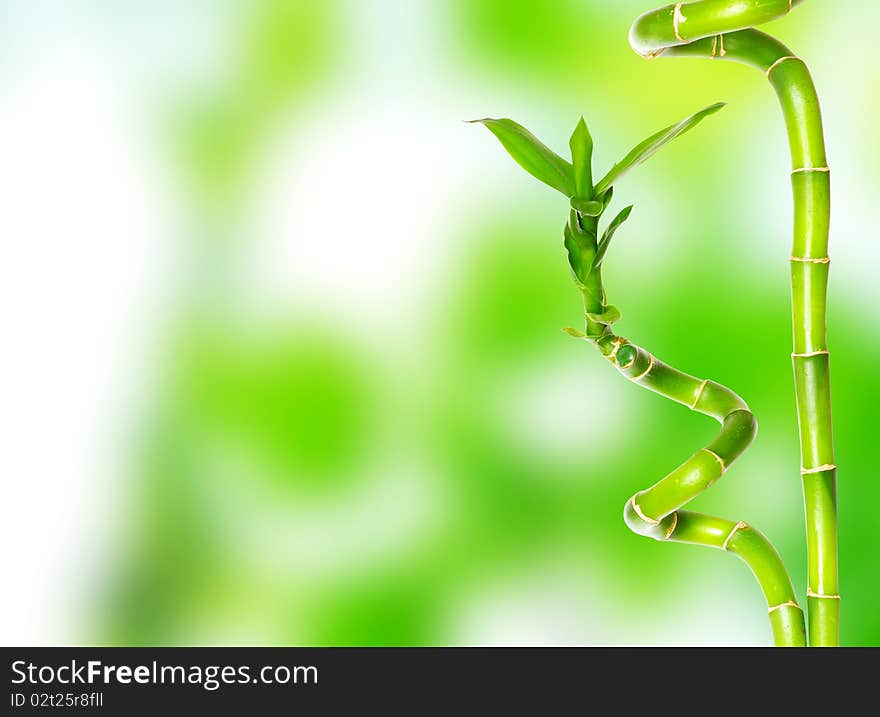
{"type": "Point", "coordinates": [739, 526]}
{"type": "Point", "coordinates": [649, 521]}
{"type": "Point", "coordinates": [717, 458]}
{"type": "Point", "coordinates": [790, 603]}
{"type": "Point", "coordinates": [672, 527]}
{"type": "Point", "coordinates": [809, 354]}
{"type": "Point", "coordinates": [779, 62]}
{"type": "Point", "coordinates": [798, 170]}
{"type": "Point", "coordinates": [811, 594]}
{"type": "Point", "coordinates": [620, 341]}
{"type": "Point", "coordinates": [699, 394]}
{"type": "Point", "coordinates": [646, 371]}
{"type": "Point", "coordinates": [677, 19]}
{"type": "Point", "coordinates": [655, 53]}
{"type": "Point", "coordinates": [811, 260]}
{"type": "Point", "coordinates": [818, 469]}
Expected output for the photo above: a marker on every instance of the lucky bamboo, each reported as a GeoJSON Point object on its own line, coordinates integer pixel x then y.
{"type": "Point", "coordinates": [722, 29]}
{"type": "Point", "coordinates": [656, 512]}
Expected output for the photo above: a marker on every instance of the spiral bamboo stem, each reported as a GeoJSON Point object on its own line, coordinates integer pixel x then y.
{"type": "Point", "coordinates": [722, 29]}
{"type": "Point", "coordinates": [656, 512]}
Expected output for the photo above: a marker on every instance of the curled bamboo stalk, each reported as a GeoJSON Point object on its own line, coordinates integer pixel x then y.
{"type": "Point", "coordinates": [656, 512]}
{"type": "Point", "coordinates": [723, 29]}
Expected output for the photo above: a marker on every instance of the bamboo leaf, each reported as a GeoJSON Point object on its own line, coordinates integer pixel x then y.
{"type": "Point", "coordinates": [581, 248]}
{"type": "Point", "coordinates": [574, 332]}
{"type": "Point", "coordinates": [581, 144]}
{"type": "Point", "coordinates": [532, 155]}
{"type": "Point", "coordinates": [575, 255]}
{"type": "Point", "coordinates": [609, 233]}
{"type": "Point", "coordinates": [610, 315]}
{"type": "Point", "coordinates": [652, 145]}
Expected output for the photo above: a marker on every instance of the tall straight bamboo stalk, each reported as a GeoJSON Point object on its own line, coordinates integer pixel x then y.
{"type": "Point", "coordinates": [721, 29]}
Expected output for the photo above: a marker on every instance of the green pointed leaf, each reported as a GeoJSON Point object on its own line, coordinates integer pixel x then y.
{"type": "Point", "coordinates": [609, 233]}
{"type": "Point", "coordinates": [532, 155]}
{"type": "Point", "coordinates": [574, 332]}
{"type": "Point", "coordinates": [581, 248]}
{"type": "Point", "coordinates": [652, 145]}
{"type": "Point", "coordinates": [610, 315]}
{"type": "Point", "coordinates": [587, 206]}
{"type": "Point", "coordinates": [581, 144]}
{"type": "Point", "coordinates": [575, 256]}
{"type": "Point", "coordinates": [606, 198]}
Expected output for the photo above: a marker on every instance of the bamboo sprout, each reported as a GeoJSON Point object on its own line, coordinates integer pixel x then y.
{"type": "Point", "coordinates": [721, 29]}
{"type": "Point", "coordinates": [655, 512]}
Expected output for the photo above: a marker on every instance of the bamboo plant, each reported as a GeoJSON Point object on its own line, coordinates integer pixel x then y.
{"type": "Point", "coordinates": [722, 29]}
{"type": "Point", "coordinates": [718, 29]}
{"type": "Point", "coordinates": [656, 512]}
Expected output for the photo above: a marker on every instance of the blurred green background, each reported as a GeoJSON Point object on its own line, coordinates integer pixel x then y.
{"type": "Point", "coordinates": [285, 360]}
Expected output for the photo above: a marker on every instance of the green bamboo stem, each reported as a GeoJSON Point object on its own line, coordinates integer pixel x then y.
{"type": "Point", "coordinates": [655, 512]}
{"type": "Point", "coordinates": [720, 29]}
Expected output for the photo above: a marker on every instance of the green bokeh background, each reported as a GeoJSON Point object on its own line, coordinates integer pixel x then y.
{"type": "Point", "coordinates": [444, 466]}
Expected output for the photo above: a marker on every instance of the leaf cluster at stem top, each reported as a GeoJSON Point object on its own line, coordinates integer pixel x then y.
{"type": "Point", "coordinates": [586, 249]}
